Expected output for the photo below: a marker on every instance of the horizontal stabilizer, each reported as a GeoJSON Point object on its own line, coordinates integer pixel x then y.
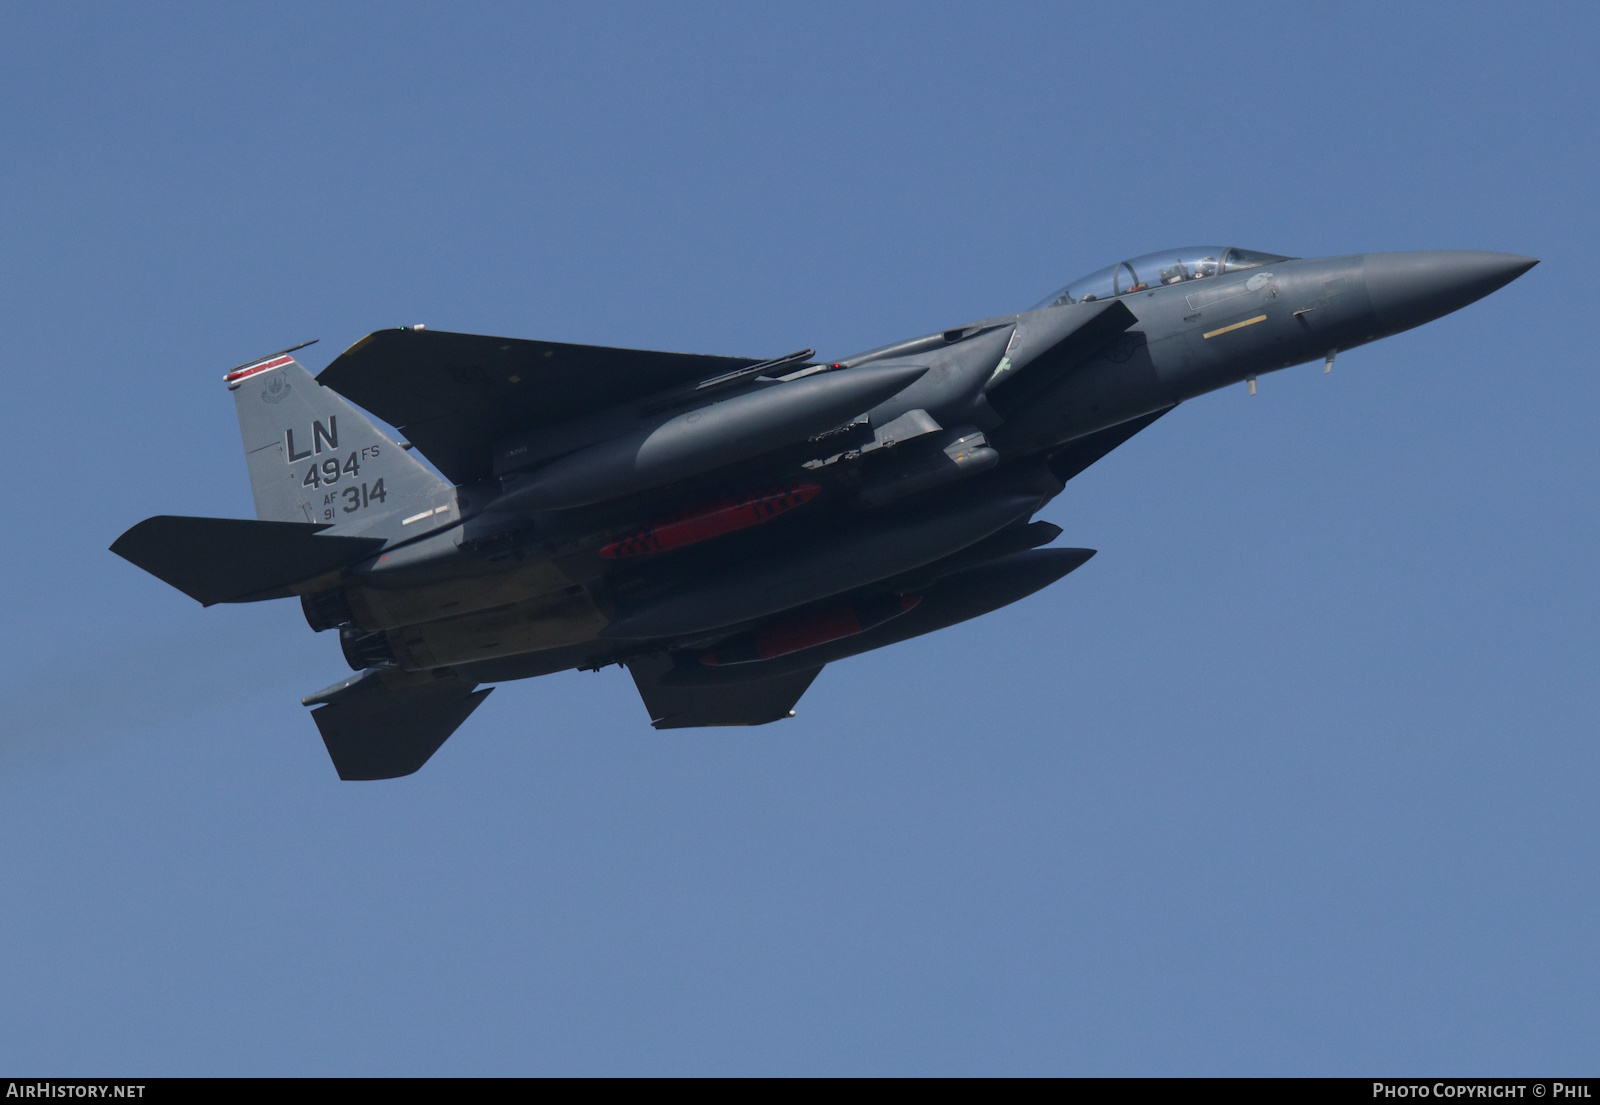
{"type": "Point", "coordinates": [755, 702]}
{"type": "Point", "coordinates": [376, 730]}
{"type": "Point", "coordinates": [216, 560]}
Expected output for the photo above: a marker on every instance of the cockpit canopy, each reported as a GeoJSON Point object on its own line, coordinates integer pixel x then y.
{"type": "Point", "coordinates": [1172, 266]}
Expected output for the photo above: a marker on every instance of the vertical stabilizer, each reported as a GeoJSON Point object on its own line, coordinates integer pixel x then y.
{"type": "Point", "coordinates": [314, 457]}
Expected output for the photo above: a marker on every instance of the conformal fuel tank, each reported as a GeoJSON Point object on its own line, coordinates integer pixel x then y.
{"type": "Point", "coordinates": [707, 437]}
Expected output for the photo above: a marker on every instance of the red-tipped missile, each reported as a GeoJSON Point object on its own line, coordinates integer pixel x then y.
{"type": "Point", "coordinates": [797, 632]}
{"type": "Point", "coordinates": [713, 520]}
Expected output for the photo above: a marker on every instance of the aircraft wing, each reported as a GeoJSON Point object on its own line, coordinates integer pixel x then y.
{"type": "Point", "coordinates": [455, 395]}
{"type": "Point", "coordinates": [753, 703]}
{"type": "Point", "coordinates": [381, 728]}
{"type": "Point", "coordinates": [1076, 456]}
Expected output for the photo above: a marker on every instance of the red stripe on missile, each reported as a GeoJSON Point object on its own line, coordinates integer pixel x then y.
{"type": "Point", "coordinates": [794, 634]}
{"type": "Point", "coordinates": [808, 630]}
{"type": "Point", "coordinates": [703, 523]}
{"type": "Point", "coordinates": [251, 370]}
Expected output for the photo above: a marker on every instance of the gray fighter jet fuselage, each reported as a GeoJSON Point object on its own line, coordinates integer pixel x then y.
{"type": "Point", "coordinates": [724, 527]}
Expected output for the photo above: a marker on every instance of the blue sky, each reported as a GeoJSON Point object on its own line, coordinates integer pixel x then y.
{"type": "Point", "coordinates": [1296, 776]}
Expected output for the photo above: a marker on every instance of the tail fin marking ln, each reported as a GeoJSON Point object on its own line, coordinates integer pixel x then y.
{"type": "Point", "coordinates": [315, 457]}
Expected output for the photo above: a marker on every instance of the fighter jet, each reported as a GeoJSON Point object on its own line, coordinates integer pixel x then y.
{"type": "Point", "coordinates": [723, 526]}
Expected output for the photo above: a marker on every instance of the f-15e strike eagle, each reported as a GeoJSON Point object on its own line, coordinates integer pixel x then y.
{"type": "Point", "coordinates": [723, 526]}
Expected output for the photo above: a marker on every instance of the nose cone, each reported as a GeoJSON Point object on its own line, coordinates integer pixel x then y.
{"type": "Point", "coordinates": [1408, 289]}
